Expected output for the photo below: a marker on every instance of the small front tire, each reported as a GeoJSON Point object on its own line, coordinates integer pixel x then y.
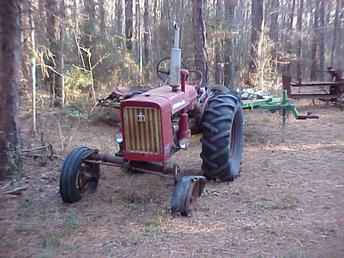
{"type": "Point", "coordinates": [77, 176]}
{"type": "Point", "coordinates": [188, 190]}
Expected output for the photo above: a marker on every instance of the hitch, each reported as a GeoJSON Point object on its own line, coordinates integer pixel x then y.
{"type": "Point", "coordinates": [307, 116]}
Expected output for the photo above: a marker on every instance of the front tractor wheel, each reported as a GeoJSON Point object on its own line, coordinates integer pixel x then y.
{"type": "Point", "coordinates": [222, 137]}
{"type": "Point", "coordinates": [184, 197]}
{"type": "Point", "coordinates": [78, 176]}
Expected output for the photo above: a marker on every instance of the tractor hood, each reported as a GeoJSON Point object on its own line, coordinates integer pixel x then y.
{"type": "Point", "coordinates": [165, 98]}
{"type": "Point", "coordinates": [147, 122]}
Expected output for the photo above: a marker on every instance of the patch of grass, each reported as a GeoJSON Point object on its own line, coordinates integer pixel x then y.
{"type": "Point", "coordinates": [295, 254]}
{"type": "Point", "coordinates": [134, 197]}
{"type": "Point", "coordinates": [326, 231]}
{"type": "Point", "coordinates": [266, 120]}
{"type": "Point", "coordinates": [46, 255]}
{"type": "Point", "coordinates": [6, 243]}
{"type": "Point", "coordinates": [25, 228]}
{"type": "Point", "coordinates": [287, 202]}
{"type": "Point", "coordinates": [159, 216]}
{"type": "Point", "coordinates": [71, 222]}
{"type": "Point", "coordinates": [51, 242]}
{"type": "Point", "coordinates": [153, 225]}
{"type": "Point", "coordinates": [26, 208]}
{"type": "Point", "coordinates": [253, 136]}
{"type": "Point", "coordinates": [26, 204]}
{"type": "Point", "coordinates": [264, 204]}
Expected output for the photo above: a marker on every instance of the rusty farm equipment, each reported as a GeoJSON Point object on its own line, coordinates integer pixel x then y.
{"type": "Point", "coordinates": [157, 123]}
{"type": "Point", "coordinates": [328, 91]}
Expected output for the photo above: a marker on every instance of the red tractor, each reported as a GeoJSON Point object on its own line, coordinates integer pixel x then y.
{"type": "Point", "coordinates": [157, 123]}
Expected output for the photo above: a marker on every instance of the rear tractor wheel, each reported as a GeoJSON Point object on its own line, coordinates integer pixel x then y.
{"type": "Point", "coordinates": [78, 176]}
{"type": "Point", "coordinates": [222, 137]}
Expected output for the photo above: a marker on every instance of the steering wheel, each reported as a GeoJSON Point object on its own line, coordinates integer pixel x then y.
{"type": "Point", "coordinates": [163, 72]}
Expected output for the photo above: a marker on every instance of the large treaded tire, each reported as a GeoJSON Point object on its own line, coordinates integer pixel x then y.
{"type": "Point", "coordinates": [222, 137]}
{"type": "Point", "coordinates": [70, 173]}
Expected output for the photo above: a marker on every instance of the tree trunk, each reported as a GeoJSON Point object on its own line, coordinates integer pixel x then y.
{"type": "Point", "coordinates": [340, 50]}
{"type": "Point", "coordinates": [10, 162]}
{"type": "Point", "coordinates": [146, 39]}
{"type": "Point", "coordinates": [33, 73]}
{"type": "Point", "coordinates": [164, 33]}
{"type": "Point", "coordinates": [155, 55]}
{"type": "Point", "coordinates": [299, 45]}
{"type": "Point", "coordinates": [76, 32]}
{"type": "Point", "coordinates": [89, 44]}
{"type": "Point", "coordinates": [41, 19]}
{"type": "Point", "coordinates": [102, 27]}
{"type": "Point", "coordinates": [199, 36]}
{"type": "Point", "coordinates": [335, 44]}
{"type": "Point", "coordinates": [289, 44]}
{"type": "Point", "coordinates": [129, 24]}
{"type": "Point", "coordinates": [53, 80]}
{"type": "Point", "coordinates": [315, 40]}
{"type": "Point", "coordinates": [257, 22]}
{"type": "Point", "coordinates": [89, 32]}
{"type": "Point", "coordinates": [75, 14]}
{"type": "Point", "coordinates": [119, 17]}
{"type": "Point", "coordinates": [138, 38]}
{"type": "Point", "coordinates": [60, 65]}
{"type": "Point", "coordinates": [218, 50]}
{"type": "Point", "coordinates": [322, 39]}
{"type": "Point", "coordinates": [228, 69]}
{"type": "Point", "coordinates": [26, 46]}
{"type": "Point", "coordinates": [273, 33]}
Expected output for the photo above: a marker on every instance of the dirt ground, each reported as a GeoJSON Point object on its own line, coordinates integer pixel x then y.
{"type": "Point", "coordinates": [288, 202]}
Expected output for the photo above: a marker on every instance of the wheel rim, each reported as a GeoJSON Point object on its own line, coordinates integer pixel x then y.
{"type": "Point", "coordinates": [176, 173]}
{"type": "Point", "coordinates": [85, 178]}
{"type": "Point", "coordinates": [234, 135]}
{"type": "Point", "coordinates": [191, 199]}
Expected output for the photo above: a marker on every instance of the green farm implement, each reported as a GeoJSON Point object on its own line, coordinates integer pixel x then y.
{"type": "Point", "coordinates": [274, 104]}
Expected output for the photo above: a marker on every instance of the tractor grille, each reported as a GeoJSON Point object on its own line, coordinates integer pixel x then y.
{"type": "Point", "coordinates": [142, 129]}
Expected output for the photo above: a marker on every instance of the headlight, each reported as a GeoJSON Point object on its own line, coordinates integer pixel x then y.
{"type": "Point", "coordinates": [118, 138]}
{"type": "Point", "coordinates": [184, 143]}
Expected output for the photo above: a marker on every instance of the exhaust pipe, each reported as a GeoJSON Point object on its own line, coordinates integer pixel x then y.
{"type": "Point", "coordinates": [176, 60]}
